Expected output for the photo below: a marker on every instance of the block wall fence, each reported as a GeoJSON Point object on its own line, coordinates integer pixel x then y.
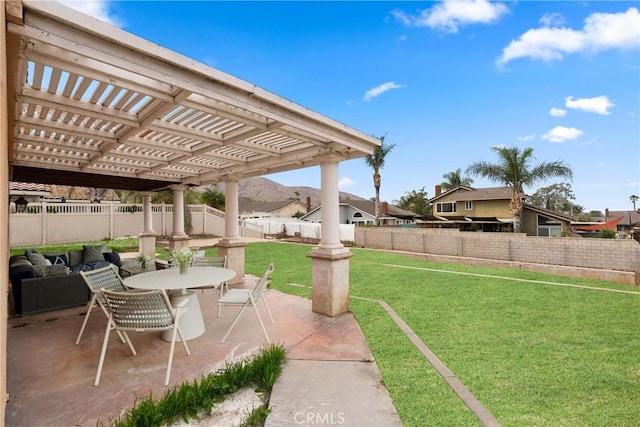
{"type": "Point", "coordinates": [601, 259]}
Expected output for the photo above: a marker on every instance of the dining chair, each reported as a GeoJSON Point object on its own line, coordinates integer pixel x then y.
{"type": "Point", "coordinates": [247, 297]}
{"type": "Point", "coordinates": [142, 312]}
{"type": "Point", "coordinates": [212, 262]}
{"type": "Point", "coordinates": [96, 280]}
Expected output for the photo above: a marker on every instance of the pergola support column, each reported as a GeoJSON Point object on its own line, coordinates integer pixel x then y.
{"type": "Point", "coordinates": [232, 245]}
{"type": "Point", "coordinates": [178, 239]}
{"type": "Point", "coordinates": [330, 259]}
{"type": "Point", "coordinates": [147, 239]}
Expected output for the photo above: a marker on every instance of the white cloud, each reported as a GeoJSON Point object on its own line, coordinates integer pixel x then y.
{"type": "Point", "coordinates": [602, 31]}
{"type": "Point", "coordinates": [345, 182]}
{"type": "Point", "coordinates": [552, 20]}
{"type": "Point", "coordinates": [379, 90]}
{"type": "Point", "coordinates": [451, 14]}
{"type": "Point", "coordinates": [97, 8]}
{"type": "Point", "coordinates": [561, 134]}
{"type": "Point", "coordinates": [557, 112]}
{"type": "Point", "coordinates": [599, 104]}
{"type": "Point", "coordinates": [527, 137]}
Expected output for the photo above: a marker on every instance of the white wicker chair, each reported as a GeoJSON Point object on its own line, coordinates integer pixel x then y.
{"type": "Point", "coordinates": [96, 280]}
{"type": "Point", "coordinates": [245, 297]}
{"type": "Point", "coordinates": [142, 312]}
{"type": "Point", "coordinates": [212, 262]}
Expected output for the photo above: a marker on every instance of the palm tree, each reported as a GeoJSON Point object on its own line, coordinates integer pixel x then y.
{"type": "Point", "coordinates": [633, 200]}
{"type": "Point", "coordinates": [376, 162]}
{"type": "Point", "coordinates": [454, 179]}
{"type": "Point", "coordinates": [514, 170]}
{"type": "Point", "coordinates": [213, 198]}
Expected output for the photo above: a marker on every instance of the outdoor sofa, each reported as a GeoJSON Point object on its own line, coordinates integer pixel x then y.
{"type": "Point", "coordinates": [52, 281]}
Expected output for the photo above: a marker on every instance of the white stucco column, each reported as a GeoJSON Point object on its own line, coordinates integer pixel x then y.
{"type": "Point", "coordinates": [330, 259]}
{"type": "Point", "coordinates": [232, 245]}
{"type": "Point", "coordinates": [147, 238]}
{"type": "Point", "coordinates": [179, 239]}
{"type": "Point", "coordinates": [330, 203]}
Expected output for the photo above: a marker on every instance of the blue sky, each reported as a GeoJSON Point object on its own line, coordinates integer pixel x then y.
{"type": "Point", "coordinates": [444, 81]}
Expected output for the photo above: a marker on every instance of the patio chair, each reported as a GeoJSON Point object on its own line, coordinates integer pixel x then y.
{"type": "Point", "coordinates": [96, 280]}
{"type": "Point", "coordinates": [245, 297]}
{"type": "Point", "coordinates": [142, 312]}
{"type": "Point", "coordinates": [212, 262]}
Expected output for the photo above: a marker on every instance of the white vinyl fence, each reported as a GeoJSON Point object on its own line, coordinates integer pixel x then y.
{"type": "Point", "coordinates": [46, 223]}
{"type": "Point", "coordinates": [293, 228]}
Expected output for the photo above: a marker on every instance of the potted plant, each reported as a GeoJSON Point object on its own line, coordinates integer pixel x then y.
{"type": "Point", "coordinates": [183, 257]}
{"type": "Point", "coordinates": [143, 259]}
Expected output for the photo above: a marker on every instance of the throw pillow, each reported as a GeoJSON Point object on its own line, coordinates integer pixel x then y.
{"type": "Point", "coordinates": [92, 253]}
{"type": "Point", "coordinates": [38, 259]}
{"type": "Point", "coordinates": [50, 270]}
{"type": "Point", "coordinates": [113, 258]}
{"type": "Point", "coordinates": [57, 259]}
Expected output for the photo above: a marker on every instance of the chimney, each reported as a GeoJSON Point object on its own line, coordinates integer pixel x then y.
{"type": "Point", "coordinates": [606, 215]}
{"type": "Point", "coordinates": [308, 204]}
{"type": "Point", "coordinates": [438, 190]}
{"type": "Point", "coordinates": [385, 208]}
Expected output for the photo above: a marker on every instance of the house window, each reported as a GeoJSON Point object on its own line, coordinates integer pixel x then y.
{"type": "Point", "coordinates": [468, 205]}
{"type": "Point", "coordinates": [445, 207]}
{"type": "Point", "coordinates": [549, 227]}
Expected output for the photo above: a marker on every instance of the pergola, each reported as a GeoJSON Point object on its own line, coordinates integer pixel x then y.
{"type": "Point", "coordinates": [84, 103]}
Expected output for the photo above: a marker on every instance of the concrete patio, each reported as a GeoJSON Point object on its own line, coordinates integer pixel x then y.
{"type": "Point", "coordinates": [50, 378]}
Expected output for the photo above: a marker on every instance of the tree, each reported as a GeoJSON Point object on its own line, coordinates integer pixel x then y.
{"type": "Point", "coordinates": [513, 169]}
{"type": "Point", "coordinates": [556, 197]}
{"type": "Point", "coordinates": [213, 198]}
{"type": "Point", "coordinates": [376, 162]}
{"type": "Point", "coordinates": [454, 179]}
{"type": "Point", "coordinates": [633, 198]}
{"type": "Point", "coordinates": [416, 201]}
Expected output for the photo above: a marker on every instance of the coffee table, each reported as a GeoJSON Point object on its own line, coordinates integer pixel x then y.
{"type": "Point", "coordinates": [191, 323]}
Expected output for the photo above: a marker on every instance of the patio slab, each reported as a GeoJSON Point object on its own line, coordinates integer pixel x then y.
{"type": "Point", "coordinates": [50, 378]}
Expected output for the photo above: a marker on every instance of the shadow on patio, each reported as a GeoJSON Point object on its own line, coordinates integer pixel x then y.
{"type": "Point", "coordinates": [50, 378]}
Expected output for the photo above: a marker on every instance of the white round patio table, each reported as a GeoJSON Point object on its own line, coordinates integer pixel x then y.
{"type": "Point", "coordinates": [191, 322]}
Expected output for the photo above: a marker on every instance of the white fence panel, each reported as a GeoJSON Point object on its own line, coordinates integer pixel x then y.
{"type": "Point", "coordinates": [77, 222]}
{"type": "Point", "coordinates": [307, 230]}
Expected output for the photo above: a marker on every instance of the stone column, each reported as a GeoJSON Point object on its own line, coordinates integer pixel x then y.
{"type": "Point", "coordinates": [178, 239]}
{"type": "Point", "coordinates": [232, 245]}
{"type": "Point", "coordinates": [330, 259]}
{"type": "Point", "coordinates": [147, 239]}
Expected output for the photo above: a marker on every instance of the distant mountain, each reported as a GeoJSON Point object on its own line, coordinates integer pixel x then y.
{"type": "Point", "coordinates": [261, 189]}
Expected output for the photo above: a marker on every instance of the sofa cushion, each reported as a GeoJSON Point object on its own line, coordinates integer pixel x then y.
{"type": "Point", "coordinates": [92, 253]}
{"type": "Point", "coordinates": [17, 262]}
{"type": "Point", "coordinates": [89, 266]}
{"type": "Point", "coordinates": [38, 259]}
{"type": "Point", "coordinates": [113, 258]}
{"type": "Point", "coordinates": [50, 270]}
{"type": "Point", "coordinates": [57, 259]}
{"type": "Point", "coordinates": [75, 257]}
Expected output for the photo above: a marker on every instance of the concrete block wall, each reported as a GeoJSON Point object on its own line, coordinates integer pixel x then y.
{"type": "Point", "coordinates": [593, 254]}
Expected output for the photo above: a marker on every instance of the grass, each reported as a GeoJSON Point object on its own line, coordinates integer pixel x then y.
{"type": "Point", "coordinates": [191, 400]}
{"type": "Point", "coordinates": [534, 353]}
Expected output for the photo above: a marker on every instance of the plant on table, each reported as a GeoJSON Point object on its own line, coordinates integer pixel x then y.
{"type": "Point", "coordinates": [183, 257]}
{"type": "Point", "coordinates": [143, 259]}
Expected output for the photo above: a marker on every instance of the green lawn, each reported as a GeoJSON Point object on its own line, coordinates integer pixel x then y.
{"type": "Point", "coordinates": [534, 353]}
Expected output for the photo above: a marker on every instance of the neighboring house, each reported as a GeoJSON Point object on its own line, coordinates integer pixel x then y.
{"type": "Point", "coordinates": [249, 208]}
{"type": "Point", "coordinates": [363, 212]}
{"type": "Point", "coordinates": [56, 193]}
{"type": "Point", "coordinates": [629, 219]}
{"type": "Point", "coordinates": [487, 209]}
